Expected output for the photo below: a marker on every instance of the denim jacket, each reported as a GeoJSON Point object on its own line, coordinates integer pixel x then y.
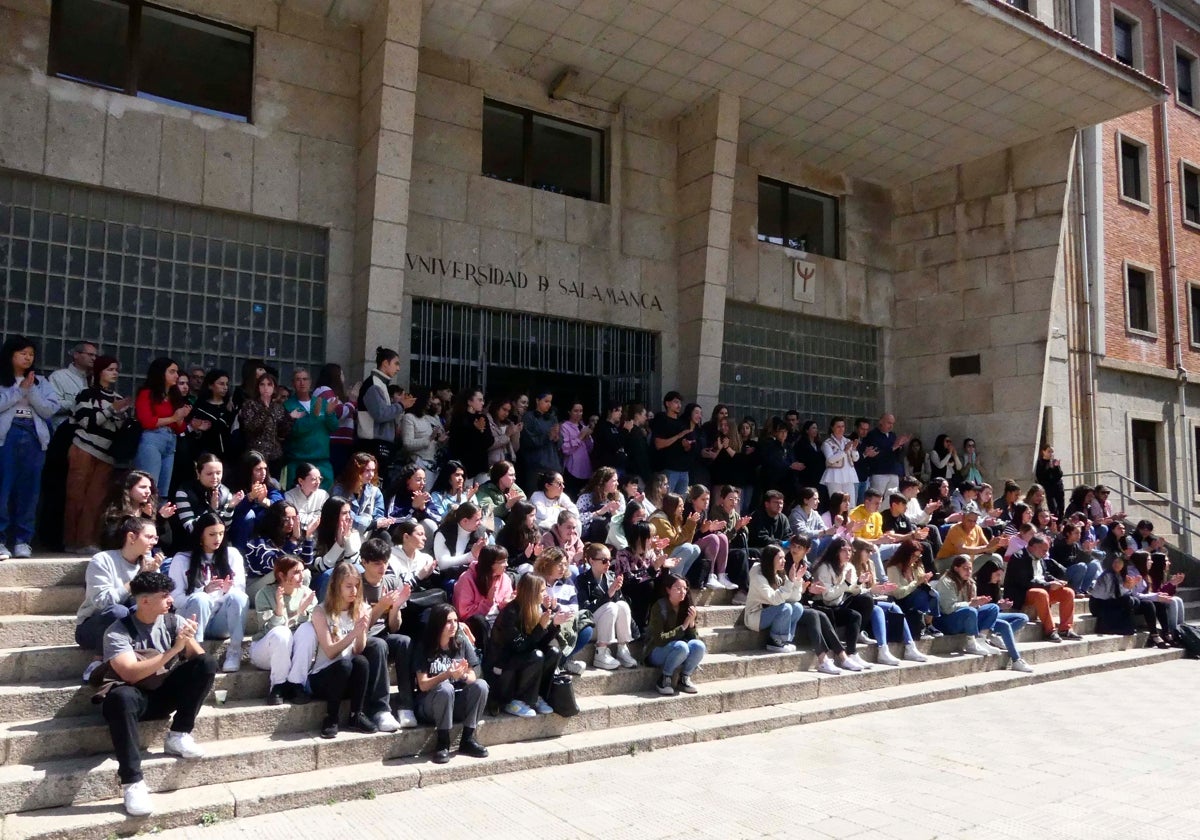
{"type": "Point", "coordinates": [42, 400]}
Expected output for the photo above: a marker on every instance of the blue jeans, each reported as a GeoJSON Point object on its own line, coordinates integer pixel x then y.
{"type": "Point", "coordinates": [674, 655]}
{"type": "Point", "coordinates": [156, 455]}
{"type": "Point", "coordinates": [1007, 626]}
{"type": "Point", "coordinates": [678, 480]}
{"type": "Point", "coordinates": [21, 460]}
{"type": "Point", "coordinates": [227, 619]}
{"type": "Point", "coordinates": [817, 549]}
{"type": "Point", "coordinates": [687, 553]}
{"type": "Point", "coordinates": [90, 634]}
{"type": "Point", "coordinates": [781, 620]}
{"type": "Point", "coordinates": [582, 640]}
{"type": "Point", "coordinates": [1082, 576]}
{"type": "Point", "coordinates": [879, 622]}
{"type": "Point", "coordinates": [968, 620]}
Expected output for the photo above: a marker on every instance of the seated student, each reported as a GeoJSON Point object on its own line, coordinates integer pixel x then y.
{"type": "Point", "coordinates": [448, 691]}
{"type": "Point", "coordinates": [1175, 607]}
{"type": "Point", "coordinates": [887, 619]}
{"type": "Point", "coordinates": [728, 510]}
{"type": "Point", "coordinates": [966, 494]}
{"type": "Point", "coordinates": [279, 534]}
{"type": "Point", "coordinates": [711, 539]}
{"type": "Point", "coordinates": [963, 611]}
{"type": "Point", "coordinates": [1113, 600]}
{"type": "Point", "coordinates": [642, 565]}
{"type": "Point", "coordinates": [409, 561]}
{"type": "Point", "coordinates": [411, 500]}
{"type": "Point", "coordinates": [577, 633]}
{"type": "Point", "coordinates": [1073, 558]}
{"type": "Point", "coordinates": [919, 513]}
{"type": "Point", "coordinates": [815, 623]}
{"type": "Point", "coordinates": [459, 539]}
{"type": "Point", "coordinates": [806, 522]}
{"type": "Point", "coordinates": [306, 496]}
{"type": "Point", "coordinates": [359, 485]}
{"type": "Point", "coordinates": [524, 651]}
{"type": "Point", "coordinates": [520, 536]}
{"type": "Point", "coordinates": [966, 539]}
{"type": "Point", "coordinates": [866, 523]}
{"type": "Point", "coordinates": [500, 492]}
{"type": "Point", "coordinates": [450, 490]}
{"type": "Point", "coordinates": [210, 586]}
{"type": "Point", "coordinates": [261, 491]}
{"type": "Point", "coordinates": [206, 494]}
{"type": "Point", "coordinates": [600, 593]}
{"type": "Point", "coordinates": [349, 665]}
{"type": "Point", "coordinates": [1021, 514]}
{"type": "Point", "coordinates": [773, 602]}
{"type": "Point", "coordinates": [768, 524]}
{"type": "Point", "coordinates": [564, 534]}
{"type": "Point", "coordinates": [914, 594]}
{"type": "Point", "coordinates": [1147, 594]}
{"type": "Point", "coordinates": [901, 529]}
{"type": "Point", "coordinates": [141, 693]}
{"type": "Point", "coordinates": [106, 595]}
{"type": "Point", "coordinates": [483, 590]}
{"type": "Point", "coordinates": [337, 542]}
{"type": "Point", "coordinates": [669, 523]}
{"type": "Point", "coordinates": [551, 501]}
{"type": "Point", "coordinates": [837, 518]}
{"type": "Point", "coordinates": [282, 607]}
{"type": "Point", "coordinates": [671, 640]}
{"type": "Point", "coordinates": [599, 502]}
{"type": "Point", "coordinates": [1028, 580]}
{"type": "Point", "coordinates": [134, 495]}
{"type": "Point", "coordinates": [387, 596]}
{"type": "Point", "coordinates": [1018, 540]}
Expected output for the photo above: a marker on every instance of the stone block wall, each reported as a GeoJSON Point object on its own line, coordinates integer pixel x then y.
{"type": "Point", "coordinates": [294, 162]}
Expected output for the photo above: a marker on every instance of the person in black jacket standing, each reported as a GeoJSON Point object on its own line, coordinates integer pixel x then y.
{"type": "Point", "coordinates": [1049, 474]}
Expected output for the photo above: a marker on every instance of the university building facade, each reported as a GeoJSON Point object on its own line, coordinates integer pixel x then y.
{"type": "Point", "coordinates": [837, 205]}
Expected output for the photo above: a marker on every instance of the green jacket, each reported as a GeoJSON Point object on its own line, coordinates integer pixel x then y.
{"type": "Point", "coordinates": [663, 629]}
{"type": "Point", "coordinates": [309, 439]}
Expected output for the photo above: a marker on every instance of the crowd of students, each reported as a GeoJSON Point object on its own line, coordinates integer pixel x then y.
{"type": "Point", "coordinates": [380, 550]}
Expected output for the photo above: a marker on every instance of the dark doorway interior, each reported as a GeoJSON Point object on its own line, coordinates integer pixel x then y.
{"type": "Point", "coordinates": [567, 388]}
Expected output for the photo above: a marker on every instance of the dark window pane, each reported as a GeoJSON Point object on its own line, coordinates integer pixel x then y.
{"type": "Point", "coordinates": [1138, 291]}
{"type": "Point", "coordinates": [1183, 78]}
{"type": "Point", "coordinates": [770, 212]}
{"type": "Point", "coordinates": [1123, 40]}
{"type": "Point", "coordinates": [89, 43]}
{"type": "Point", "coordinates": [812, 222]}
{"type": "Point", "coordinates": [1131, 171]}
{"type": "Point", "coordinates": [1023, 5]}
{"type": "Point", "coordinates": [503, 144]}
{"type": "Point", "coordinates": [1144, 435]}
{"type": "Point", "coordinates": [1191, 196]}
{"type": "Point", "coordinates": [1194, 300]}
{"type": "Point", "coordinates": [565, 158]}
{"type": "Point", "coordinates": [195, 63]}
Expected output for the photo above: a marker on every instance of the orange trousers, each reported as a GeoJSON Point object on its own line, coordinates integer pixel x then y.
{"type": "Point", "coordinates": [1041, 599]}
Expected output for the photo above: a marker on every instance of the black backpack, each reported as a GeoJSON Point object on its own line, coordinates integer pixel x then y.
{"type": "Point", "coordinates": [1190, 637]}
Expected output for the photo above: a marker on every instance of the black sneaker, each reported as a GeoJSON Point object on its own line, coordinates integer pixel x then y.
{"type": "Point", "coordinates": [664, 687]}
{"type": "Point", "coordinates": [329, 728]}
{"type": "Point", "coordinates": [275, 698]}
{"type": "Point", "coordinates": [1072, 636]}
{"type": "Point", "coordinates": [1053, 636]}
{"type": "Point", "coordinates": [469, 746]}
{"type": "Point", "coordinates": [931, 632]}
{"type": "Point", "coordinates": [298, 696]}
{"type": "Point", "coordinates": [686, 685]}
{"type": "Point", "coordinates": [441, 756]}
{"type": "Point", "coordinates": [361, 723]}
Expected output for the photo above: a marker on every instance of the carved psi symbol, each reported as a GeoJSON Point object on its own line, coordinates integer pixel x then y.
{"type": "Point", "coordinates": [806, 274]}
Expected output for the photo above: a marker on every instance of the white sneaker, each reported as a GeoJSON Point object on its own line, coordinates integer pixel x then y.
{"type": "Point", "coordinates": [739, 598]}
{"type": "Point", "coordinates": [862, 664]}
{"type": "Point", "coordinates": [1022, 666]}
{"type": "Point", "coordinates": [574, 666]}
{"type": "Point", "coordinates": [825, 666]}
{"type": "Point", "coordinates": [407, 719]}
{"type": "Point", "coordinates": [713, 583]}
{"type": "Point", "coordinates": [912, 654]}
{"type": "Point", "coordinates": [4, 552]}
{"type": "Point", "coordinates": [183, 745]}
{"type": "Point", "coordinates": [625, 657]}
{"type": "Point", "coordinates": [386, 722]}
{"type": "Point", "coordinates": [724, 580]}
{"type": "Point", "coordinates": [864, 639]}
{"type": "Point", "coordinates": [22, 551]}
{"type": "Point", "coordinates": [604, 660]}
{"type": "Point", "coordinates": [233, 660]}
{"type": "Point", "coordinates": [138, 802]}
{"type": "Point", "coordinates": [884, 656]}
{"type": "Point", "coordinates": [779, 646]}
{"type": "Point", "coordinates": [995, 641]}
{"type": "Point", "coordinates": [848, 664]}
{"type": "Point", "coordinates": [977, 647]}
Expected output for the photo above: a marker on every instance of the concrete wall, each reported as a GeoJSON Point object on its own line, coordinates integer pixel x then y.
{"type": "Point", "coordinates": [294, 162]}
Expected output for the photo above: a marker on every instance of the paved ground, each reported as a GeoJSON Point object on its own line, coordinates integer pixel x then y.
{"type": "Point", "coordinates": [1105, 756]}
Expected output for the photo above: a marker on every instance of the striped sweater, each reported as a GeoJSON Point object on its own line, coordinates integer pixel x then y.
{"type": "Point", "coordinates": [96, 424]}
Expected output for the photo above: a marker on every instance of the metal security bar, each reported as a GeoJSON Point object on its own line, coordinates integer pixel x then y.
{"type": "Point", "coordinates": [145, 277]}
{"type": "Point", "coordinates": [467, 346]}
{"type": "Point", "coordinates": [776, 361]}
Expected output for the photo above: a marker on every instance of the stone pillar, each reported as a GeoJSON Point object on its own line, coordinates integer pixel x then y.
{"type": "Point", "coordinates": [387, 106]}
{"type": "Point", "coordinates": [707, 159]}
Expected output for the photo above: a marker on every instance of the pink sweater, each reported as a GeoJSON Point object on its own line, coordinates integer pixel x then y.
{"type": "Point", "coordinates": [469, 601]}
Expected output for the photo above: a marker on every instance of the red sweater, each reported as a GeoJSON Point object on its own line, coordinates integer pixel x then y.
{"type": "Point", "coordinates": [148, 413]}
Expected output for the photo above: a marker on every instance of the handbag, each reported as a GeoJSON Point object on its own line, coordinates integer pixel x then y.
{"type": "Point", "coordinates": [125, 442]}
{"type": "Point", "coordinates": [105, 677]}
{"type": "Point", "coordinates": [562, 695]}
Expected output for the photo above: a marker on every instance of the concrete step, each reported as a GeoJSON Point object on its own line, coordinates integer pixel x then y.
{"type": "Point", "coordinates": [40, 600]}
{"type": "Point", "coordinates": [44, 570]}
{"type": "Point", "coordinates": [26, 741]}
{"type": "Point", "coordinates": [300, 768]}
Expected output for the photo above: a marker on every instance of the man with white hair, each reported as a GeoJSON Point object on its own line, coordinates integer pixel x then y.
{"type": "Point", "coordinates": [886, 467]}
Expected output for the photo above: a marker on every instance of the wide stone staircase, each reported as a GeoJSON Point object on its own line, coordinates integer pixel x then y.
{"type": "Point", "coordinates": [58, 776]}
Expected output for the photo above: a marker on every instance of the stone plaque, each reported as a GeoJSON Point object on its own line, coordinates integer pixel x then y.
{"type": "Point", "coordinates": [804, 281]}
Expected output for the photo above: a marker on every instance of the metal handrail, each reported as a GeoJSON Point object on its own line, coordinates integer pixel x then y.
{"type": "Point", "coordinates": [1141, 488]}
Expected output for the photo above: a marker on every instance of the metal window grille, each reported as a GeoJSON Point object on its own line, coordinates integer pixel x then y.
{"type": "Point", "coordinates": [776, 361]}
{"type": "Point", "coordinates": [145, 277]}
{"type": "Point", "coordinates": [463, 345]}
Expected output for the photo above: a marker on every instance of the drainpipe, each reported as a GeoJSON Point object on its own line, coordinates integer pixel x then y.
{"type": "Point", "coordinates": [1091, 451]}
{"type": "Point", "coordinates": [1179, 439]}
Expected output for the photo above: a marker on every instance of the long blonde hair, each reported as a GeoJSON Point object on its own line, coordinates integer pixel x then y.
{"type": "Point", "coordinates": [861, 560]}
{"type": "Point", "coordinates": [530, 590]}
{"type": "Point", "coordinates": [333, 605]}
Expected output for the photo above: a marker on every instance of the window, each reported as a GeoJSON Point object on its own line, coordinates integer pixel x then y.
{"type": "Point", "coordinates": [1196, 452]}
{"type": "Point", "coordinates": [1139, 309]}
{"type": "Point", "coordinates": [1194, 318]}
{"type": "Point", "coordinates": [1023, 5]}
{"type": "Point", "coordinates": [1185, 78]}
{"type": "Point", "coordinates": [522, 147]}
{"type": "Point", "coordinates": [143, 50]}
{"type": "Point", "coordinates": [964, 365]}
{"type": "Point", "coordinates": [1191, 193]}
{"type": "Point", "coordinates": [1126, 39]}
{"type": "Point", "coordinates": [1143, 436]}
{"type": "Point", "coordinates": [797, 218]}
{"type": "Point", "coordinates": [1133, 171]}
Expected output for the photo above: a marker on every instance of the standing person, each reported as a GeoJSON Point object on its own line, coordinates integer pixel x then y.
{"type": "Point", "coordinates": [540, 436]}
{"type": "Point", "coordinates": [27, 403]}
{"type": "Point", "coordinates": [247, 389]}
{"type": "Point", "coordinates": [422, 435]}
{"type": "Point", "coordinates": [577, 445]}
{"type": "Point", "coordinates": [213, 405]}
{"type": "Point", "coordinates": [841, 454]}
{"type": "Point", "coordinates": [99, 413]}
{"type": "Point", "coordinates": [672, 434]}
{"type": "Point", "coordinates": [210, 584]}
{"type": "Point", "coordinates": [68, 383]}
{"type": "Point", "coordinates": [506, 432]}
{"type": "Point", "coordinates": [265, 424]}
{"type": "Point", "coordinates": [378, 414]}
{"type": "Point", "coordinates": [138, 692]}
{"type": "Point", "coordinates": [447, 688]}
{"type": "Point", "coordinates": [470, 436]}
{"type": "Point", "coordinates": [1048, 473]}
{"type": "Point", "coordinates": [331, 387]}
{"type": "Point", "coordinates": [672, 643]}
{"type": "Point", "coordinates": [609, 436]}
{"type": "Point", "coordinates": [638, 460]}
{"type": "Point", "coordinates": [162, 412]}
{"type": "Point", "coordinates": [886, 467]}
{"type": "Point", "coordinates": [943, 460]}
{"type": "Point", "coordinates": [314, 420]}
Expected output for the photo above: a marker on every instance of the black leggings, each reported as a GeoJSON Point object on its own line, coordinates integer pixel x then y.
{"type": "Point", "coordinates": [362, 679]}
{"type": "Point", "coordinates": [848, 620]}
{"type": "Point", "coordinates": [816, 625]}
{"type": "Point", "coordinates": [525, 676]}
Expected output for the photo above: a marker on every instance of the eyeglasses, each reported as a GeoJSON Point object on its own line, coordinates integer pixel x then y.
{"type": "Point", "coordinates": [603, 560]}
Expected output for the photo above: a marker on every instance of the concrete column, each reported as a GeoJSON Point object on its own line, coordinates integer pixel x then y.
{"type": "Point", "coordinates": [387, 107]}
{"type": "Point", "coordinates": [707, 159]}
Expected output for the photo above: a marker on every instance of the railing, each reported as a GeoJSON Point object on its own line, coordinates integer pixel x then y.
{"type": "Point", "coordinates": [1181, 515]}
